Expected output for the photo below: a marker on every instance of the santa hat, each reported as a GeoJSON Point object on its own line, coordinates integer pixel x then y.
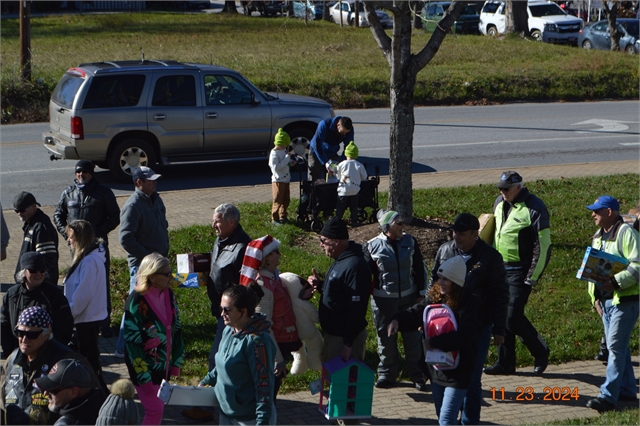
{"type": "Point", "coordinates": [256, 251]}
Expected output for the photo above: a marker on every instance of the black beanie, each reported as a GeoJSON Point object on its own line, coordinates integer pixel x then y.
{"type": "Point", "coordinates": [85, 166]}
{"type": "Point", "coordinates": [336, 229]}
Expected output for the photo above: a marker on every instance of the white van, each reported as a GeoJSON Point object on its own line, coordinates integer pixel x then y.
{"type": "Point", "coordinates": [547, 21]}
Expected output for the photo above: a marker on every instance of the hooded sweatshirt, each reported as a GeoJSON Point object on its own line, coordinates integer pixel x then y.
{"type": "Point", "coordinates": [84, 288]}
{"type": "Point", "coordinates": [243, 377]}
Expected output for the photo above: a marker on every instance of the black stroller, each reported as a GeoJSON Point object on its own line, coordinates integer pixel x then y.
{"type": "Point", "coordinates": [317, 199]}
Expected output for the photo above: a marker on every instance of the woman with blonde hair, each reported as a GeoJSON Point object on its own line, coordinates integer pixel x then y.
{"type": "Point", "coordinates": [153, 334]}
{"type": "Point", "coordinates": [84, 285]}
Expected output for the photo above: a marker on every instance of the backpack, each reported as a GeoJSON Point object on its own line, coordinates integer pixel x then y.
{"type": "Point", "coordinates": [439, 319]}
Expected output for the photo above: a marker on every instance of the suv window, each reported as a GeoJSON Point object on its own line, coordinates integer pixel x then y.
{"type": "Point", "coordinates": [550, 9]}
{"type": "Point", "coordinates": [490, 7]}
{"type": "Point", "coordinates": [66, 89]}
{"type": "Point", "coordinates": [175, 90]}
{"type": "Point", "coordinates": [112, 91]}
{"type": "Point", "coordinates": [225, 90]}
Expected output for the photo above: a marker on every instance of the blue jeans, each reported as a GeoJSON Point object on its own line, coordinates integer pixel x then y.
{"type": "Point", "coordinates": [216, 343]}
{"type": "Point", "coordinates": [448, 402]}
{"type": "Point", "coordinates": [473, 400]}
{"type": "Point", "coordinates": [619, 321]}
{"type": "Point", "coordinates": [133, 275]}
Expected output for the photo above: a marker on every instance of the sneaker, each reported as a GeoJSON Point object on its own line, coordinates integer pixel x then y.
{"type": "Point", "coordinates": [384, 384]}
{"type": "Point", "coordinates": [600, 405]}
{"type": "Point", "coordinates": [499, 370]}
{"type": "Point", "coordinates": [118, 354]}
{"type": "Point", "coordinates": [421, 386]}
{"type": "Point", "coordinates": [197, 413]}
{"type": "Point", "coordinates": [276, 223]}
{"type": "Point", "coordinates": [627, 398]}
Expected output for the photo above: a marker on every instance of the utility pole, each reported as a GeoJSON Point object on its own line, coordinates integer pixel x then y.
{"type": "Point", "coordinates": [25, 40]}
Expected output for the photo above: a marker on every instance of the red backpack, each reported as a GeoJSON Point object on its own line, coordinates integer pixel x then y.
{"type": "Point", "coordinates": [439, 319]}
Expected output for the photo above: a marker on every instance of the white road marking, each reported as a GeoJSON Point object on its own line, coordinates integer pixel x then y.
{"type": "Point", "coordinates": [606, 125]}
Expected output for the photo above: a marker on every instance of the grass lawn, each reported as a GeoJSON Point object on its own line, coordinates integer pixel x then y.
{"type": "Point", "coordinates": [343, 66]}
{"type": "Point", "coordinates": [559, 306]}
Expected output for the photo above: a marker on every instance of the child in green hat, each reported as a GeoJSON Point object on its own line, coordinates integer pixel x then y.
{"type": "Point", "coordinates": [279, 163]}
{"type": "Point", "coordinates": [350, 174]}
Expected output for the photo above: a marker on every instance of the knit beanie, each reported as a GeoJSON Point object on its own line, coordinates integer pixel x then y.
{"type": "Point", "coordinates": [282, 138]}
{"type": "Point", "coordinates": [252, 261]}
{"type": "Point", "coordinates": [454, 269]}
{"type": "Point", "coordinates": [386, 218]}
{"type": "Point", "coordinates": [119, 407]}
{"type": "Point", "coordinates": [351, 150]}
{"type": "Point", "coordinates": [336, 229]}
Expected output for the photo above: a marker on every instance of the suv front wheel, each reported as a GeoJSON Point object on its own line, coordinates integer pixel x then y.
{"type": "Point", "coordinates": [536, 35]}
{"type": "Point", "coordinates": [492, 31]}
{"type": "Point", "coordinates": [129, 154]}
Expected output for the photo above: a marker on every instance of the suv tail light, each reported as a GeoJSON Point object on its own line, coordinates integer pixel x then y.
{"type": "Point", "coordinates": [77, 131]}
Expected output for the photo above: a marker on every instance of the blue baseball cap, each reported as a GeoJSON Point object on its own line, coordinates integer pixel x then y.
{"type": "Point", "coordinates": [605, 202]}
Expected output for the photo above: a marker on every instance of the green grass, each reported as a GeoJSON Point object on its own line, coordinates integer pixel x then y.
{"type": "Point", "coordinates": [343, 66]}
{"type": "Point", "coordinates": [630, 416]}
{"type": "Point", "coordinates": [559, 306]}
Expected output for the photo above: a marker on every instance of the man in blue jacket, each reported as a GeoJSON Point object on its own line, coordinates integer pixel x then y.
{"type": "Point", "coordinates": [325, 144]}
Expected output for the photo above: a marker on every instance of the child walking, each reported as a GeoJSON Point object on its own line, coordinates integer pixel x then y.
{"type": "Point", "coordinates": [279, 162]}
{"type": "Point", "coordinates": [350, 174]}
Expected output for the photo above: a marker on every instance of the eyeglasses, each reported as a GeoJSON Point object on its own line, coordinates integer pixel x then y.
{"type": "Point", "coordinates": [166, 274]}
{"type": "Point", "coordinates": [36, 271]}
{"type": "Point", "coordinates": [323, 241]}
{"type": "Point", "coordinates": [81, 171]}
{"type": "Point", "coordinates": [31, 335]}
{"type": "Point", "coordinates": [226, 309]}
{"type": "Point", "coordinates": [55, 391]}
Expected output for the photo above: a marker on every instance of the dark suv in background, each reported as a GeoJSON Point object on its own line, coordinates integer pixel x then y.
{"type": "Point", "coordinates": [123, 114]}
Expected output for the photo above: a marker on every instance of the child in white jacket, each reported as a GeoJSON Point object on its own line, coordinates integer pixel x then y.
{"type": "Point", "coordinates": [280, 162]}
{"type": "Point", "coordinates": [350, 174]}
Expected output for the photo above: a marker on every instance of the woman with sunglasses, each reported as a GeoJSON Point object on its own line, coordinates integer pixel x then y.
{"type": "Point", "coordinates": [260, 264]}
{"type": "Point", "coordinates": [84, 285]}
{"type": "Point", "coordinates": [154, 348]}
{"type": "Point", "coordinates": [243, 377]}
{"type": "Point", "coordinates": [34, 290]}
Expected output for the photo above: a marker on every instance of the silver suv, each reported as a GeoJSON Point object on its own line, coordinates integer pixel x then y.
{"type": "Point", "coordinates": [124, 114]}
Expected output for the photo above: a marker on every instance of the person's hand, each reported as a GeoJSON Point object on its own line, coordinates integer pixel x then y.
{"type": "Point", "coordinates": [498, 339]}
{"type": "Point", "coordinates": [419, 299]}
{"type": "Point", "coordinates": [314, 280]}
{"type": "Point", "coordinates": [392, 328]}
{"type": "Point", "coordinates": [346, 353]}
{"type": "Point", "coordinates": [598, 307]}
{"type": "Point", "coordinates": [280, 371]}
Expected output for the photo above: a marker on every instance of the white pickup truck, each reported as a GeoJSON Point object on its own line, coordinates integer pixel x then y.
{"type": "Point", "coordinates": [547, 21]}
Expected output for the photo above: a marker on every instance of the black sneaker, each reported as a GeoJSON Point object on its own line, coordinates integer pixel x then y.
{"type": "Point", "coordinates": [600, 405]}
{"type": "Point", "coordinates": [384, 384]}
{"type": "Point", "coordinates": [498, 370]}
{"type": "Point", "coordinates": [421, 386]}
{"type": "Point", "coordinates": [627, 398]}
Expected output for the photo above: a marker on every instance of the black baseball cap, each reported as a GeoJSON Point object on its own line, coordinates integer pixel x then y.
{"type": "Point", "coordinates": [24, 200]}
{"type": "Point", "coordinates": [465, 222]}
{"type": "Point", "coordinates": [66, 373]}
{"type": "Point", "coordinates": [509, 178]}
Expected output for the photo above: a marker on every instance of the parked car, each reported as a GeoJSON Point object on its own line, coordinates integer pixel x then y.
{"type": "Point", "coordinates": [266, 8]}
{"type": "Point", "coordinates": [312, 9]}
{"type": "Point", "coordinates": [547, 21]}
{"type": "Point", "coordinates": [124, 114]}
{"type": "Point", "coordinates": [348, 12]}
{"type": "Point", "coordinates": [433, 12]}
{"type": "Point", "coordinates": [596, 35]}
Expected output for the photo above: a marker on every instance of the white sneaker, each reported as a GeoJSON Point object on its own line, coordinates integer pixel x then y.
{"type": "Point", "coordinates": [118, 354]}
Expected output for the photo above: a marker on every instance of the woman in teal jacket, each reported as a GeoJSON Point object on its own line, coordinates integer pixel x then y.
{"type": "Point", "coordinates": [243, 377]}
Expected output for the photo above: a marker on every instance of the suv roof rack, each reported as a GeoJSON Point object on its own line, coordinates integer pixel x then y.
{"type": "Point", "coordinates": [132, 64]}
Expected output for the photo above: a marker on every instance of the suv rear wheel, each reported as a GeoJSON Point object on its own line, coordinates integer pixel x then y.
{"type": "Point", "coordinates": [129, 154]}
{"type": "Point", "coordinates": [492, 31]}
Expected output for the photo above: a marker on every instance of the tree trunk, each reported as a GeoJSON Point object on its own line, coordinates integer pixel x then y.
{"type": "Point", "coordinates": [611, 10]}
{"type": "Point", "coordinates": [516, 18]}
{"type": "Point", "coordinates": [229, 7]}
{"type": "Point", "coordinates": [325, 11]}
{"type": "Point", "coordinates": [417, 13]}
{"type": "Point", "coordinates": [25, 41]}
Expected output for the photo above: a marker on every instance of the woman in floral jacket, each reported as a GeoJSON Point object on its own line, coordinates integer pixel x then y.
{"type": "Point", "coordinates": [153, 334]}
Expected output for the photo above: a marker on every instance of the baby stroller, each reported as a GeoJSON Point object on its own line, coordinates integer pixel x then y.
{"type": "Point", "coordinates": [321, 198]}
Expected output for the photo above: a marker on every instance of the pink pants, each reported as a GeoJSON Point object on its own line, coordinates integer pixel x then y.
{"type": "Point", "coordinates": [153, 406]}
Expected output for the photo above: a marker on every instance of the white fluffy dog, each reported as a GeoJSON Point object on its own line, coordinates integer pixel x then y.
{"type": "Point", "coordinates": [310, 354]}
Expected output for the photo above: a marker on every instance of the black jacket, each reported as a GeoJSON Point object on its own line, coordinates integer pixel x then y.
{"type": "Point", "coordinates": [40, 235]}
{"type": "Point", "coordinates": [82, 411]}
{"type": "Point", "coordinates": [226, 261]}
{"type": "Point", "coordinates": [24, 403]}
{"type": "Point", "coordinates": [49, 297]}
{"type": "Point", "coordinates": [486, 278]}
{"type": "Point", "coordinates": [94, 203]}
{"type": "Point", "coordinates": [462, 340]}
{"type": "Point", "coordinates": [345, 295]}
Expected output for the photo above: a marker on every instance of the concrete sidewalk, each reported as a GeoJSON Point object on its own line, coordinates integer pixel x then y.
{"type": "Point", "coordinates": [402, 404]}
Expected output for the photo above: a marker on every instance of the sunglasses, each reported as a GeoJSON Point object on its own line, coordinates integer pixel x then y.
{"type": "Point", "coordinates": [20, 210]}
{"type": "Point", "coordinates": [36, 271]}
{"type": "Point", "coordinates": [226, 309]}
{"type": "Point", "coordinates": [323, 241]}
{"type": "Point", "coordinates": [166, 274]}
{"type": "Point", "coordinates": [31, 335]}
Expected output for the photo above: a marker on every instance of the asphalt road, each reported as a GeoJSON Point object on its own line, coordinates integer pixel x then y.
{"type": "Point", "coordinates": [445, 139]}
